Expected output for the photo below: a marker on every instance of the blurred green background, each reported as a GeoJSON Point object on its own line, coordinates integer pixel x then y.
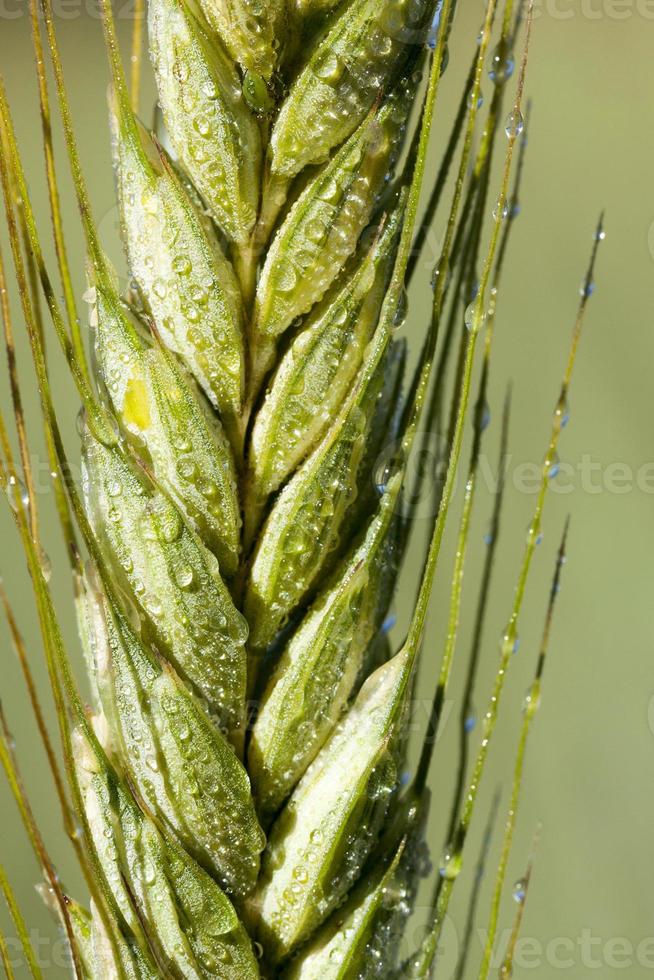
{"type": "Point", "coordinates": [590, 764]}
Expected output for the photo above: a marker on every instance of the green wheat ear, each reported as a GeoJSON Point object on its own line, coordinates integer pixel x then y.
{"type": "Point", "coordinates": [235, 793]}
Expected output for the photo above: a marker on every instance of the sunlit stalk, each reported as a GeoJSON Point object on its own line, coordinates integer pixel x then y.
{"type": "Point", "coordinates": [531, 706]}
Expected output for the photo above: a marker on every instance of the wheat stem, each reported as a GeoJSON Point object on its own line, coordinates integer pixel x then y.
{"type": "Point", "coordinates": [531, 705]}
{"type": "Point", "coordinates": [20, 925]}
{"type": "Point", "coordinates": [53, 189]}
{"type": "Point", "coordinates": [9, 764]}
{"type": "Point", "coordinates": [509, 637]}
{"type": "Point", "coordinates": [137, 54]}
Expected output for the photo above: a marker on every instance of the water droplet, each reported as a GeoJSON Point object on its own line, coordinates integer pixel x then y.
{"type": "Point", "coordinates": [562, 412]}
{"type": "Point", "coordinates": [46, 565]}
{"type": "Point", "coordinates": [514, 124]}
{"type": "Point", "coordinates": [450, 864]}
{"type": "Point", "coordinates": [469, 723]}
{"type": "Point", "coordinates": [474, 318]}
{"type": "Point", "coordinates": [531, 702]}
{"type": "Point", "coordinates": [432, 36]}
{"type": "Point", "coordinates": [439, 278]}
{"type": "Point", "coordinates": [587, 289]}
{"type": "Point", "coordinates": [330, 68]}
{"type": "Point", "coordinates": [181, 265]}
{"type": "Point", "coordinates": [401, 310]}
{"type": "Point", "coordinates": [471, 97]}
{"type": "Point", "coordinates": [552, 465]}
{"type": "Point", "coordinates": [16, 488]}
{"type": "Point", "coordinates": [502, 64]}
{"type": "Point", "coordinates": [501, 210]}
{"type": "Point", "coordinates": [184, 576]}
{"type": "Point", "coordinates": [520, 891]}
{"type": "Point", "coordinates": [534, 534]}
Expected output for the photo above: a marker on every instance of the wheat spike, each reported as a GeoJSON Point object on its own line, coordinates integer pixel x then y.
{"type": "Point", "coordinates": [244, 505]}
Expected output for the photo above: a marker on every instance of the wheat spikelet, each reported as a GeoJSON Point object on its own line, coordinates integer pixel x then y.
{"type": "Point", "coordinates": [237, 780]}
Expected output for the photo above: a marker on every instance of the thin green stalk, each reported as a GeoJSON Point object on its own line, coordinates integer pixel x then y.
{"type": "Point", "coordinates": [53, 190]}
{"type": "Point", "coordinates": [453, 857]}
{"type": "Point", "coordinates": [531, 706]}
{"type": "Point", "coordinates": [480, 183]}
{"type": "Point", "coordinates": [4, 957]}
{"type": "Point", "coordinates": [63, 686]}
{"type": "Point", "coordinates": [20, 925]}
{"type": "Point", "coordinates": [62, 683]}
{"type": "Point", "coordinates": [468, 500]}
{"type": "Point", "coordinates": [441, 178]}
{"type": "Point", "coordinates": [455, 602]}
{"type": "Point", "coordinates": [474, 325]}
{"type": "Point", "coordinates": [437, 384]}
{"type": "Point", "coordinates": [12, 167]}
{"type": "Point", "coordinates": [17, 402]}
{"type": "Point", "coordinates": [473, 904]}
{"type": "Point", "coordinates": [423, 372]}
{"type": "Point", "coordinates": [32, 509]}
{"type": "Point", "coordinates": [397, 283]}
{"type": "Point", "coordinates": [37, 710]}
{"type": "Point", "coordinates": [10, 766]}
{"type": "Point", "coordinates": [137, 54]}
{"type": "Point", "coordinates": [506, 969]}
{"type": "Point", "coordinates": [465, 713]}
{"type": "Point", "coordinates": [83, 201]}
{"type": "Point", "coordinates": [5, 315]}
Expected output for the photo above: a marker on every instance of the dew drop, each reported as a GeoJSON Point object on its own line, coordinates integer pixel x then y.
{"type": "Point", "coordinates": [562, 412]}
{"type": "Point", "coordinates": [552, 466]}
{"type": "Point", "coordinates": [401, 310]}
{"type": "Point", "coordinates": [46, 565]}
{"type": "Point", "coordinates": [502, 64]}
{"type": "Point", "coordinates": [184, 576]}
{"type": "Point", "coordinates": [432, 36]}
{"type": "Point", "coordinates": [501, 210]}
{"type": "Point", "coordinates": [514, 124]}
{"type": "Point", "coordinates": [450, 864]}
{"type": "Point", "coordinates": [181, 265]}
{"type": "Point", "coordinates": [474, 318]}
{"type": "Point", "coordinates": [471, 100]}
{"type": "Point", "coordinates": [330, 68]}
{"type": "Point", "coordinates": [520, 891]}
{"type": "Point", "coordinates": [16, 488]}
